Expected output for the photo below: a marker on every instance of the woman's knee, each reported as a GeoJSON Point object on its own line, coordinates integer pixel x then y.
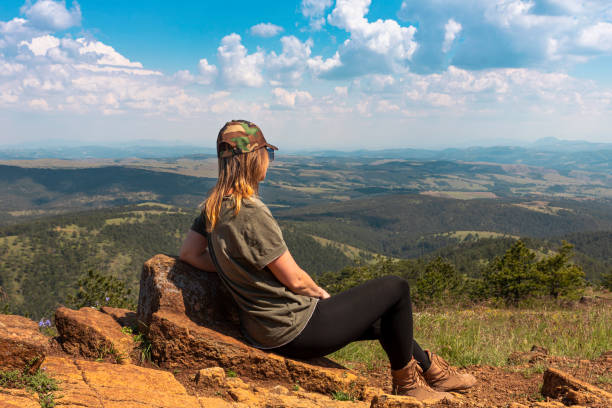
{"type": "Point", "coordinates": [398, 284]}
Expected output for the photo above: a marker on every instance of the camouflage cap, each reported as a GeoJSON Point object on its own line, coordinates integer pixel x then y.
{"type": "Point", "coordinates": [240, 136]}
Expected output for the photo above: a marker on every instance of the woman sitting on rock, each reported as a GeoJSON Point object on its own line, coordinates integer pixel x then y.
{"type": "Point", "coordinates": [282, 309]}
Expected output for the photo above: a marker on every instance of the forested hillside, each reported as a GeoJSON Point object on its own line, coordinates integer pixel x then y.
{"type": "Point", "coordinates": [413, 225]}
{"type": "Point", "coordinates": [41, 260]}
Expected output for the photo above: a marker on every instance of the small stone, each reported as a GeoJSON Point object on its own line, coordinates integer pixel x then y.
{"type": "Point", "coordinates": [370, 392]}
{"type": "Point", "coordinates": [577, 397]}
{"type": "Point", "coordinates": [210, 377]}
{"type": "Point", "coordinates": [559, 384]}
{"type": "Point", "coordinates": [241, 395]}
{"type": "Point", "coordinates": [279, 389]}
{"type": "Point", "coordinates": [236, 383]}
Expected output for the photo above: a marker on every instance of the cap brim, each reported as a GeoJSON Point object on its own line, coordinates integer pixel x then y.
{"type": "Point", "coordinates": [271, 146]}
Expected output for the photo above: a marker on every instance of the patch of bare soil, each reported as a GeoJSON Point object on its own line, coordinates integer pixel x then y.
{"type": "Point", "coordinates": [519, 382]}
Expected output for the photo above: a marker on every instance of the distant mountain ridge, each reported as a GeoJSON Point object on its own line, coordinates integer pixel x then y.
{"type": "Point", "coordinates": [151, 149]}
{"type": "Point", "coordinates": [548, 152]}
{"type": "Point", "coordinates": [102, 152]}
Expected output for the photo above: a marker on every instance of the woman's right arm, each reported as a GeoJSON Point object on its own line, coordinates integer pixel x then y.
{"type": "Point", "coordinates": [194, 251]}
{"type": "Point", "coordinates": [287, 271]}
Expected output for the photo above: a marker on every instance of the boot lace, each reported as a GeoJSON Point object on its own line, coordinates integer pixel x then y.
{"type": "Point", "coordinates": [414, 379]}
{"type": "Point", "coordinates": [446, 368]}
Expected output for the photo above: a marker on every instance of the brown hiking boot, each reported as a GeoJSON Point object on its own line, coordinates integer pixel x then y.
{"type": "Point", "coordinates": [409, 381]}
{"type": "Point", "coordinates": [442, 377]}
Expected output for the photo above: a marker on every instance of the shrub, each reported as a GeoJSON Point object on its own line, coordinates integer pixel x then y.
{"type": "Point", "coordinates": [439, 284]}
{"type": "Point", "coordinates": [559, 277]}
{"type": "Point", "coordinates": [96, 289]}
{"type": "Point", "coordinates": [513, 277]}
{"type": "Point", "coordinates": [517, 275]}
{"type": "Point", "coordinates": [606, 280]}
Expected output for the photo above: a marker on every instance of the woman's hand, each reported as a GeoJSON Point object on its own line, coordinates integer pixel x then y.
{"type": "Point", "coordinates": [324, 294]}
{"type": "Point", "coordinates": [295, 278]}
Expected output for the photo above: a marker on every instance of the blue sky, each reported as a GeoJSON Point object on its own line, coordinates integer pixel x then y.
{"type": "Point", "coordinates": [342, 74]}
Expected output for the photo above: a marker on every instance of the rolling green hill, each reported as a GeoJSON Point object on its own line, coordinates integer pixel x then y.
{"type": "Point", "coordinates": [41, 260]}
{"type": "Point", "coordinates": [412, 225]}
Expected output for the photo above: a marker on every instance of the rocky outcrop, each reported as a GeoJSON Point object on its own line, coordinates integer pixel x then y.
{"type": "Point", "coordinates": [93, 334]}
{"type": "Point", "coordinates": [169, 284]}
{"type": "Point", "coordinates": [97, 385]}
{"type": "Point", "coordinates": [192, 322]}
{"type": "Point", "coordinates": [15, 398]}
{"type": "Point", "coordinates": [125, 317]}
{"type": "Point", "coordinates": [92, 384]}
{"type": "Point", "coordinates": [21, 344]}
{"type": "Point", "coordinates": [558, 384]}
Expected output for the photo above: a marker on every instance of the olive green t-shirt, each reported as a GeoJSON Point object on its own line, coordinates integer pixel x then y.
{"type": "Point", "coordinates": [271, 315]}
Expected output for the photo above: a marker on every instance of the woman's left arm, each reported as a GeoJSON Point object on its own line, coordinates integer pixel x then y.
{"type": "Point", "coordinates": [295, 278]}
{"type": "Point", "coordinates": [194, 251]}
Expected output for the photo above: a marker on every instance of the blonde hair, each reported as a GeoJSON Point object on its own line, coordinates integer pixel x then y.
{"type": "Point", "coordinates": [240, 173]}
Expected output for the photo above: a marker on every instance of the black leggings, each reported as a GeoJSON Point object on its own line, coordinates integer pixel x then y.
{"type": "Point", "coordinates": [379, 309]}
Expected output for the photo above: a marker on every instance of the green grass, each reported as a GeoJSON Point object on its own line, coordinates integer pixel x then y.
{"type": "Point", "coordinates": [342, 396]}
{"type": "Point", "coordinates": [488, 336]}
{"type": "Point", "coordinates": [39, 383]}
{"type": "Point", "coordinates": [604, 379]}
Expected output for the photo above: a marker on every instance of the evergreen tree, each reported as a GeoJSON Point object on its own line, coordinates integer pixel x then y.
{"type": "Point", "coordinates": [558, 276]}
{"type": "Point", "coordinates": [513, 276]}
{"type": "Point", "coordinates": [439, 284]}
{"type": "Point", "coordinates": [97, 290]}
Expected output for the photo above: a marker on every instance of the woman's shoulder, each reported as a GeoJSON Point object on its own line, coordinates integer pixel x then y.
{"type": "Point", "coordinates": [254, 202]}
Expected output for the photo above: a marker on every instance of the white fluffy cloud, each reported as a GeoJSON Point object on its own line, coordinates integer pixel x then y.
{"type": "Point", "coordinates": [48, 73]}
{"type": "Point", "coordinates": [320, 66]}
{"type": "Point", "coordinates": [105, 54]}
{"type": "Point", "coordinates": [388, 68]}
{"type": "Point", "coordinates": [207, 71]}
{"type": "Point", "coordinates": [237, 66]}
{"type": "Point", "coordinates": [41, 45]}
{"type": "Point", "coordinates": [291, 99]}
{"type": "Point", "coordinates": [289, 66]}
{"type": "Point", "coordinates": [52, 15]}
{"type": "Point", "coordinates": [507, 33]}
{"type": "Point", "coordinates": [314, 11]}
{"type": "Point", "coordinates": [451, 29]}
{"type": "Point", "coordinates": [381, 46]}
{"type": "Point", "coordinates": [266, 30]}
{"type": "Point", "coordinates": [597, 37]}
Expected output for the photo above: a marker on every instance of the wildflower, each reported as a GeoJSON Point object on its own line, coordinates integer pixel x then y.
{"type": "Point", "coordinates": [107, 299]}
{"type": "Point", "coordinates": [41, 323]}
{"type": "Point", "coordinates": [48, 323]}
